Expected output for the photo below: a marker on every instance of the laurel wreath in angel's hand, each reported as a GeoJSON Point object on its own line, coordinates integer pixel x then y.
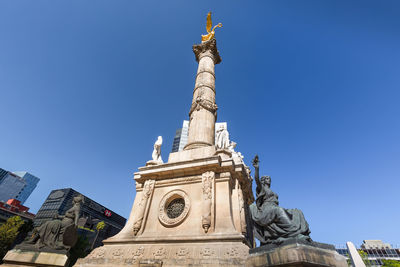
{"type": "Point", "coordinates": [210, 29]}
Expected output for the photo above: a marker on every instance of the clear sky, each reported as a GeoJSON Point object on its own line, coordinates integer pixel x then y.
{"type": "Point", "coordinates": [311, 86]}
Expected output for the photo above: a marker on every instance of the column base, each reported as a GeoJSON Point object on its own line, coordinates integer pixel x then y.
{"type": "Point", "coordinates": [194, 145]}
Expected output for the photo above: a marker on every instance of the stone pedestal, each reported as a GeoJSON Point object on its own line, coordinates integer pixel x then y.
{"type": "Point", "coordinates": [296, 254]}
{"type": "Point", "coordinates": [207, 228]}
{"type": "Point", "coordinates": [18, 257]}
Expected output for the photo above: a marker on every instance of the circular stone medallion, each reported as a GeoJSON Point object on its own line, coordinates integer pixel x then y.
{"type": "Point", "coordinates": [173, 208]}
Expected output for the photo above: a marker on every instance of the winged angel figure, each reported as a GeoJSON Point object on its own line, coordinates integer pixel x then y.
{"type": "Point", "coordinates": [211, 32]}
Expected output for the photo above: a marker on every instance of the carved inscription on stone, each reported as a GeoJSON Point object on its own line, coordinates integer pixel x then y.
{"type": "Point", "coordinates": [207, 186]}
{"type": "Point", "coordinates": [146, 194]}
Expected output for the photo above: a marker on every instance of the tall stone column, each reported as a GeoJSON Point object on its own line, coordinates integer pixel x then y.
{"type": "Point", "coordinates": [203, 112]}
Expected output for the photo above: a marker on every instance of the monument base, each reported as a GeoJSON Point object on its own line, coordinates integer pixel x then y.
{"type": "Point", "coordinates": [178, 254]}
{"type": "Point", "coordinates": [18, 257]}
{"type": "Point", "coordinates": [296, 253]}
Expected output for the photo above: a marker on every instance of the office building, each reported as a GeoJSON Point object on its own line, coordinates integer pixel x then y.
{"type": "Point", "coordinates": [16, 185]}
{"type": "Point", "coordinates": [31, 183]}
{"type": "Point", "coordinates": [60, 200]}
{"type": "Point", "coordinates": [12, 208]}
{"type": "Point", "coordinates": [180, 139]}
{"type": "Point", "coordinates": [181, 135]}
{"type": "Point", "coordinates": [375, 251]}
{"type": "Point", "coordinates": [11, 185]}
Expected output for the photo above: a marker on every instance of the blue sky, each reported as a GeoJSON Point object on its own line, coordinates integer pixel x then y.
{"type": "Point", "coordinates": [311, 86]}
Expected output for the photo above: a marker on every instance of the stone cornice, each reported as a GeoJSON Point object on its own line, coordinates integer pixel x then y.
{"type": "Point", "coordinates": [210, 46]}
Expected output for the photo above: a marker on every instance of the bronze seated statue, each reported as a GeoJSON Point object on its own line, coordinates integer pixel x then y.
{"type": "Point", "coordinates": [272, 223]}
{"type": "Point", "coordinates": [60, 233]}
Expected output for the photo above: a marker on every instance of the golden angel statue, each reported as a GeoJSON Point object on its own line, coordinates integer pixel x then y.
{"type": "Point", "coordinates": [211, 32]}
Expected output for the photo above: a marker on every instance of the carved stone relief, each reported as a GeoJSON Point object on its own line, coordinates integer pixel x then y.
{"type": "Point", "coordinates": [98, 253]}
{"type": "Point", "coordinates": [207, 185]}
{"type": "Point", "coordinates": [140, 211]}
{"type": "Point", "coordinates": [117, 253]}
{"type": "Point", "coordinates": [207, 252]}
{"type": "Point", "coordinates": [137, 253]}
{"type": "Point", "coordinates": [203, 103]}
{"type": "Point", "coordinates": [160, 253]}
{"type": "Point", "coordinates": [243, 226]}
{"type": "Point", "coordinates": [173, 208]}
{"type": "Point", "coordinates": [182, 253]}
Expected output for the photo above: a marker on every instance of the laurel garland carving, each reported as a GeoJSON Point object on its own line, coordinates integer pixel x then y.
{"type": "Point", "coordinates": [200, 103]}
{"type": "Point", "coordinates": [243, 225]}
{"type": "Point", "coordinates": [146, 194]}
{"type": "Point", "coordinates": [207, 186]}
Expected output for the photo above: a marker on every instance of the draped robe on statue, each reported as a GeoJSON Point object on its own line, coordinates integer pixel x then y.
{"type": "Point", "coordinates": [274, 224]}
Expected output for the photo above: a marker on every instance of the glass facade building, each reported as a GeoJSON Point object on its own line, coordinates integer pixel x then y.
{"type": "Point", "coordinates": [31, 183]}
{"type": "Point", "coordinates": [181, 135]}
{"type": "Point", "coordinates": [375, 252]}
{"type": "Point", "coordinates": [11, 185]}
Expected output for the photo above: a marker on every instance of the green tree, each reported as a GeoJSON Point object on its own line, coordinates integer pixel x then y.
{"type": "Point", "coordinates": [80, 250]}
{"type": "Point", "coordinates": [8, 233]}
{"type": "Point", "coordinates": [100, 226]}
{"type": "Point", "coordinates": [391, 263]}
{"type": "Point", "coordinates": [364, 257]}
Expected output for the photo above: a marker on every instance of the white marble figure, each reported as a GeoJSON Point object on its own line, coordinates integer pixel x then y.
{"type": "Point", "coordinates": [232, 147]}
{"type": "Point", "coordinates": [157, 151]}
{"type": "Point", "coordinates": [222, 140]}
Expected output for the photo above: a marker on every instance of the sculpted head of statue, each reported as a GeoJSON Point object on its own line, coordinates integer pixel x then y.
{"type": "Point", "coordinates": [266, 180]}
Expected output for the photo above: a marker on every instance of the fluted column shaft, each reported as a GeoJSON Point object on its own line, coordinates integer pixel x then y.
{"type": "Point", "coordinates": [203, 112]}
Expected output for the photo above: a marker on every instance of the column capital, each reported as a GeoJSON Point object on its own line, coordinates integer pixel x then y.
{"type": "Point", "coordinates": [207, 46]}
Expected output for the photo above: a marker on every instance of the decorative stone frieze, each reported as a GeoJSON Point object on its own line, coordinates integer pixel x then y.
{"type": "Point", "coordinates": [160, 253]}
{"type": "Point", "coordinates": [207, 252]}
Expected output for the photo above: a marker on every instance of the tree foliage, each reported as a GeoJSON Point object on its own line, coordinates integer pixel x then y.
{"type": "Point", "coordinates": [364, 257]}
{"type": "Point", "coordinates": [391, 263]}
{"type": "Point", "coordinates": [80, 250]}
{"type": "Point", "coordinates": [8, 233]}
{"type": "Point", "coordinates": [100, 226]}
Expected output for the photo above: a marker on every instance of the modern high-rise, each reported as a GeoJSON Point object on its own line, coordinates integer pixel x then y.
{"type": "Point", "coordinates": [11, 185]}
{"type": "Point", "coordinates": [375, 252]}
{"type": "Point", "coordinates": [31, 183]}
{"type": "Point", "coordinates": [181, 135]}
